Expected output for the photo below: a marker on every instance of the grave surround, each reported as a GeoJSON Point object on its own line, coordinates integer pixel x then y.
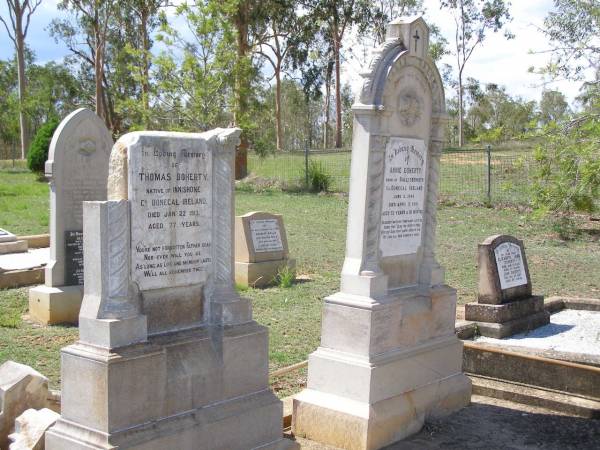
{"type": "Point", "coordinates": [10, 244]}
{"type": "Point", "coordinates": [389, 358]}
{"type": "Point", "coordinates": [168, 354]}
{"type": "Point", "coordinates": [505, 304]}
{"type": "Point", "coordinates": [77, 170]}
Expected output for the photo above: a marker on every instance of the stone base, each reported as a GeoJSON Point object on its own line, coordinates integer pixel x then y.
{"type": "Point", "coordinates": [403, 394]}
{"type": "Point", "coordinates": [260, 274]}
{"type": "Point", "coordinates": [502, 330]}
{"type": "Point", "coordinates": [13, 247]}
{"type": "Point", "coordinates": [506, 319]}
{"type": "Point", "coordinates": [202, 388]}
{"type": "Point", "coordinates": [54, 305]}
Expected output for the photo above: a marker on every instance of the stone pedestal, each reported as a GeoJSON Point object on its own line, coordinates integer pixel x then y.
{"type": "Point", "coordinates": [505, 319]}
{"type": "Point", "coordinates": [260, 274]}
{"type": "Point", "coordinates": [54, 305]}
{"type": "Point", "coordinates": [382, 369]}
{"type": "Point", "coordinates": [10, 244]}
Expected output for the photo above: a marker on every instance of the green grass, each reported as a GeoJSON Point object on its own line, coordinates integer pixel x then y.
{"type": "Point", "coordinates": [316, 228]}
{"type": "Point", "coordinates": [23, 202]}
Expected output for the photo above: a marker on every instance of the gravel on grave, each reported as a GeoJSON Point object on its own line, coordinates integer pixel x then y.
{"type": "Point", "coordinates": [35, 257]}
{"type": "Point", "coordinates": [569, 331]}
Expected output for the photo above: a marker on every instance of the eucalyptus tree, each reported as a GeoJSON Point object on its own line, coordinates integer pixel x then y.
{"type": "Point", "coordinates": [17, 26]}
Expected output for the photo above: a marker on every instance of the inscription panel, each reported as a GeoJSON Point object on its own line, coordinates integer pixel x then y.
{"type": "Point", "coordinates": [403, 196]}
{"type": "Point", "coordinates": [511, 269]}
{"type": "Point", "coordinates": [74, 258]}
{"type": "Point", "coordinates": [170, 189]}
{"type": "Point", "coordinates": [266, 236]}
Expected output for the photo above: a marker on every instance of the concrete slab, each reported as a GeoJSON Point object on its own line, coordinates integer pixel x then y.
{"type": "Point", "coordinates": [22, 261]}
{"type": "Point", "coordinates": [569, 331]}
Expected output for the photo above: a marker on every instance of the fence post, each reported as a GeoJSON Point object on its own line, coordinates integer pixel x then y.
{"type": "Point", "coordinates": [306, 164]}
{"type": "Point", "coordinates": [488, 150]}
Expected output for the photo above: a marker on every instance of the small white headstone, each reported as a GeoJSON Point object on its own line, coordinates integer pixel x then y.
{"type": "Point", "coordinates": [511, 269]}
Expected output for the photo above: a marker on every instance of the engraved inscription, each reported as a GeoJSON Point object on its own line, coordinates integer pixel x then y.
{"type": "Point", "coordinates": [403, 197]}
{"type": "Point", "coordinates": [511, 269]}
{"type": "Point", "coordinates": [171, 209]}
{"type": "Point", "coordinates": [265, 235]}
{"type": "Point", "coordinates": [74, 258]}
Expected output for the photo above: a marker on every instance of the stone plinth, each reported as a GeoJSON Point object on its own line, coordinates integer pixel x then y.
{"type": "Point", "coordinates": [261, 249]}
{"type": "Point", "coordinates": [77, 170]}
{"type": "Point", "coordinates": [504, 304]}
{"type": "Point", "coordinates": [10, 244]}
{"type": "Point", "coordinates": [389, 358]}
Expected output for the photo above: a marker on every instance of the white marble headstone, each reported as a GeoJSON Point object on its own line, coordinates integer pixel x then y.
{"type": "Point", "coordinates": [511, 269]}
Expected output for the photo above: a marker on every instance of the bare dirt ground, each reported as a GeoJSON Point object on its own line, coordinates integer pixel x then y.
{"type": "Point", "coordinates": [492, 424]}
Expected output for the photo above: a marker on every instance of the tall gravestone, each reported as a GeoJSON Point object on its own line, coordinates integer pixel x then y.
{"type": "Point", "coordinates": [389, 358]}
{"type": "Point", "coordinates": [168, 355]}
{"type": "Point", "coordinates": [77, 168]}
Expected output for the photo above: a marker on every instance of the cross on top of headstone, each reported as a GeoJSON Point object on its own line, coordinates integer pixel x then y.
{"type": "Point", "coordinates": [416, 37]}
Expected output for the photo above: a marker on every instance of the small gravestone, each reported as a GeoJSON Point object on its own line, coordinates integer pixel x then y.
{"type": "Point", "coordinates": [389, 357]}
{"type": "Point", "coordinates": [77, 168]}
{"type": "Point", "coordinates": [505, 304]}
{"type": "Point", "coordinates": [10, 244]}
{"type": "Point", "coordinates": [261, 248]}
{"type": "Point", "coordinates": [168, 354]}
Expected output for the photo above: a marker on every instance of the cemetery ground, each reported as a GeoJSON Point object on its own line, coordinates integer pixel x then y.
{"type": "Point", "coordinates": [316, 228]}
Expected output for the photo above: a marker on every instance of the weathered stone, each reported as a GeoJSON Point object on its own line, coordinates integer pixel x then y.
{"type": "Point", "coordinates": [10, 244]}
{"type": "Point", "coordinates": [261, 248]}
{"type": "Point", "coordinates": [504, 312]}
{"type": "Point", "coordinates": [503, 270]}
{"type": "Point", "coordinates": [30, 428]}
{"type": "Point", "coordinates": [168, 356]}
{"type": "Point", "coordinates": [505, 329]}
{"type": "Point", "coordinates": [77, 168]}
{"type": "Point", "coordinates": [21, 388]}
{"type": "Point", "coordinates": [389, 357]}
{"type": "Point", "coordinates": [6, 236]}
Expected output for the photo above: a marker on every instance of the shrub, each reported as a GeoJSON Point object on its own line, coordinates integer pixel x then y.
{"type": "Point", "coordinates": [38, 150]}
{"type": "Point", "coordinates": [318, 178]}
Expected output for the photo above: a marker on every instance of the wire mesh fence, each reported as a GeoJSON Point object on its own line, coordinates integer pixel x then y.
{"type": "Point", "coordinates": [474, 175]}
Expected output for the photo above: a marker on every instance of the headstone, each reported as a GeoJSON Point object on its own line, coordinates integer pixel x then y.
{"type": "Point", "coordinates": [168, 354]}
{"type": "Point", "coordinates": [30, 428]}
{"type": "Point", "coordinates": [505, 304]}
{"type": "Point", "coordinates": [21, 388]}
{"type": "Point", "coordinates": [261, 248]}
{"type": "Point", "coordinates": [77, 169]}
{"type": "Point", "coordinates": [10, 244]}
{"type": "Point", "coordinates": [389, 357]}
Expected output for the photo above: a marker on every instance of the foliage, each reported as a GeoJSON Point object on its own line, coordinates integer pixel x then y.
{"type": "Point", "coordinates": [568, 178]}
{"type": "Point", "coordinates": [318, 178]}
{"type": "Point", "coordinates": [553, 106]}
{"type": "Point", "coordinates": [285, 277]}
{"type": "Point", "coordinates": [38, 151]}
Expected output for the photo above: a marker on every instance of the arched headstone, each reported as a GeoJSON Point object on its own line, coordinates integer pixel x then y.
{"type": "Point", "coordinates": [389, 357]}
{"type": "Point", "coordinates": [77, 169]}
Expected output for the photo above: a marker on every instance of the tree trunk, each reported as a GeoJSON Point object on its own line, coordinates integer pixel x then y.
{"type": "Point", "coordinates": [278, 108]}
{"type": "Point", "coordinates": [460, 110]}
{"type": "Point", "coordinates": [145, 69]}
{"type": "Point", "coordinates": [338, 94]}
{"type": "Point", "coordinates": [241, 110]}
{"type": "Point", "coordinates": [98, 73]}
{"type": "Point", "coordinates": [23, 124]}
{"type": "Point", "coordinates": [327, 100]}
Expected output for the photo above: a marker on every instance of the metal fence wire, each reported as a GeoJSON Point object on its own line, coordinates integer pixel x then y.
{"type": "Point", "coordinates": [474, 175]}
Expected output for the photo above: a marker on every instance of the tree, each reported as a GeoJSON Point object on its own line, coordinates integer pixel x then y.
{"type": "Point", "coordinates": [337, 17]}
{"type": "Point", "coordinates": [87, 39]}
{"type": "Point", "coordinates": [19, 13]}
{"type": "Point", "coordinates": [473, 19]}
{"type": "Point", "coordinates": [553, 106]}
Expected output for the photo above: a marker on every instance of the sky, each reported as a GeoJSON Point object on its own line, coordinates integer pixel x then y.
{"type": "Point", "coordinates": [496, 61]}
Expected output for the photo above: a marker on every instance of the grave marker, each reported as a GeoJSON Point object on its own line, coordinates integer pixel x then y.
{"type": "Point", "coordinates": [261, 248]}
{"type": "Point", "coordinates": [10, 244]}
{"type": "Point", "coordinates": [389, 356]}
{"type": "Point", "coordinates": [77, 170]}
{"type": "Point", "coordinates": [164, 337]}
{"type": "Point", "coordinates": [505, 304]}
